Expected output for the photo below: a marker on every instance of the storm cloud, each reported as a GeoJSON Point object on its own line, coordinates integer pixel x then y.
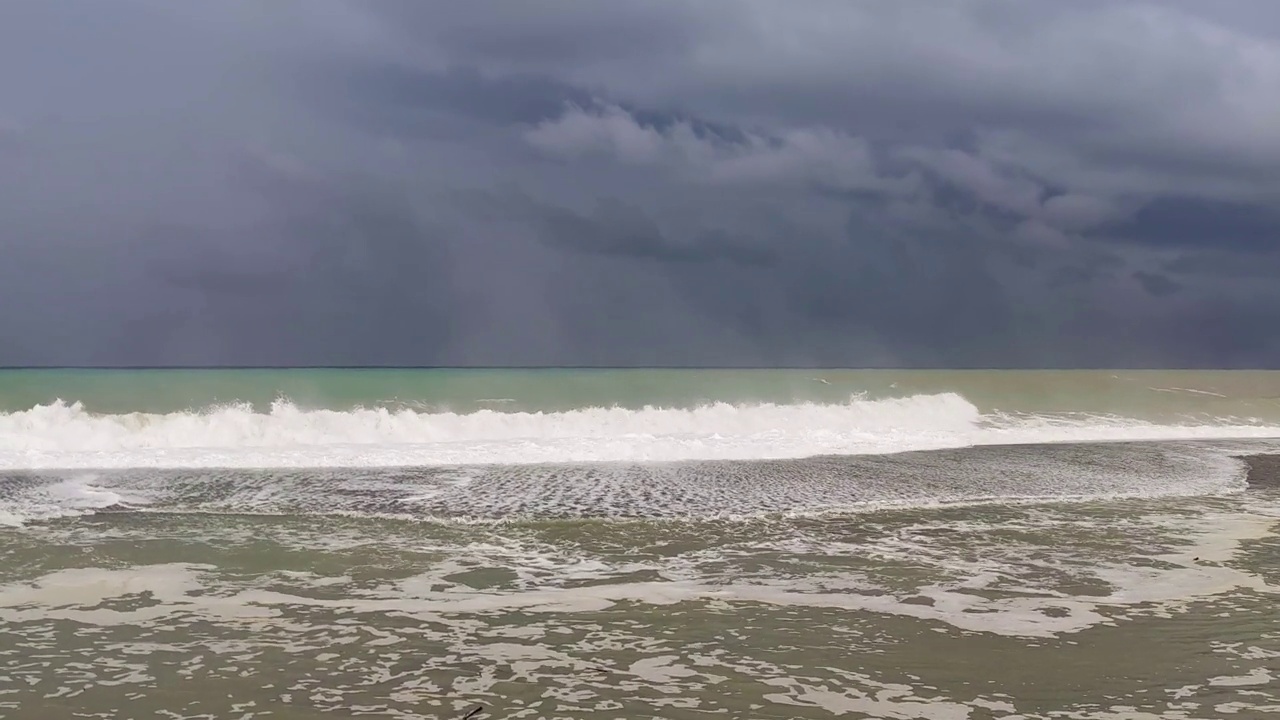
{"type": "Point", "coordinates": [640, 182]}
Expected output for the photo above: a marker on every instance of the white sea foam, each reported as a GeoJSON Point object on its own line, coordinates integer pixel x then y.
{"type": "Point", "coordinates": [992, 588]}
{"type": "Point", "coordinates": [66, 436]}
{"type": "Point", "coordinates": [69, 498]}
{"type": "Point", "coordinates": [1192, 391]}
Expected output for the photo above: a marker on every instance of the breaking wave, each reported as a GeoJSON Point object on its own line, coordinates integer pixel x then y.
{"type": "Point", "coordinates": [66, 436]}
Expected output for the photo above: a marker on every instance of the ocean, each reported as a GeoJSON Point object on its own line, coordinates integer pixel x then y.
{"type": "Point", "coordinates": [664, 543]}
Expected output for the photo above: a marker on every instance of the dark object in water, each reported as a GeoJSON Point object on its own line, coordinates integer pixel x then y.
{"type": "Point", "coordinates": [474, 711]}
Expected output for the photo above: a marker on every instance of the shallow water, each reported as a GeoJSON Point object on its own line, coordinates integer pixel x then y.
{"type": "Point", "coordinates": [1092, 610]}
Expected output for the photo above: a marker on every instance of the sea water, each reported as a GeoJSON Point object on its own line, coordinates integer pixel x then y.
{"type": "Point", "coordinates": [637, 544]}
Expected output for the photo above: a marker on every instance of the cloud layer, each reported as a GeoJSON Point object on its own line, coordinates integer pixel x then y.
{"type": "Point", "coordinates": [978, 183]}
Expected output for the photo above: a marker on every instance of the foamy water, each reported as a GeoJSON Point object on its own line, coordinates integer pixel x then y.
{"type": "Point", "coordinates": [933, 545]}
{"type": "Point", "coordinates": [1129, 612]}
{"type": "Point", "coordinates": [65, 435]}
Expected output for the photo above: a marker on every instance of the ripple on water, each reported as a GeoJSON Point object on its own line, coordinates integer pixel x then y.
{"type": "Point", "coordinates": [777, 617]}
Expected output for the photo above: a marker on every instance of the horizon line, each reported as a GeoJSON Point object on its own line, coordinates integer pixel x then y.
{"type": "Point", "coordinates": [917, 368]}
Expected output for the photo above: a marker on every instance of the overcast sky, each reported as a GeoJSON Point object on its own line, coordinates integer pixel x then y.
{"type": "Point", "coordinates": [715, 182]}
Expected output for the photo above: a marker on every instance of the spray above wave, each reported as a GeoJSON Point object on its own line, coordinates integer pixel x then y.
{"type": "Point", "coordinates": [63, 435]}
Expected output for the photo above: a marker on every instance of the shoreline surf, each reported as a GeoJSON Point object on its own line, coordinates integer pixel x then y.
{"type": "Point", "coordinates": [1046, 473]}
{"type": "Point", "coordinates": [66, 436]}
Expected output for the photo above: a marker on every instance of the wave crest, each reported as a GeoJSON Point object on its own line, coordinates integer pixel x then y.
{"type": "Point", "coordinates": [65, 435]}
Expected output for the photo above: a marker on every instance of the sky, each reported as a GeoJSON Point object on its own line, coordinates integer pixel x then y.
{"type": "Point", "coordinates": [991, 183]}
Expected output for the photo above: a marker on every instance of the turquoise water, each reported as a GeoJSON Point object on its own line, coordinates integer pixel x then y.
{"type": "Point", "coordinates": [1130, 393]}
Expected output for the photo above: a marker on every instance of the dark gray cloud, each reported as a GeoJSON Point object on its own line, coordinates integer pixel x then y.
{"type": "Point", "coordinates": [617, 228]}
{"type": "Point", "coordinates": [640, 182]}
{"type": "Point", "coordinates": [1175, 221]}
{"type": "Point", "coordinates": [1156, 284]}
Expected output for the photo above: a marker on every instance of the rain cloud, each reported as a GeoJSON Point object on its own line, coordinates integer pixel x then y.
{"type": "Point", "coordinates": [819, 182]}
